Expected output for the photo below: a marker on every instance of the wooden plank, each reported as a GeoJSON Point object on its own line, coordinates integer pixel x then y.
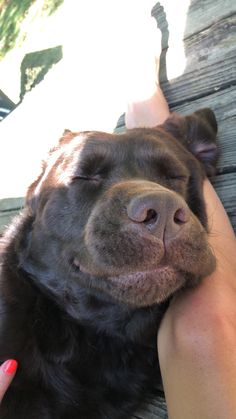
{"type": "Point", "coordinates": [214, 43]}
{"type": "Point", "coordinates": [7, 204]}
{"type": "Point", "coordinates": [6, 218]}
{"type": "Point", "coordinates": [9, 208]}
{"type": "Point", "coordinates": [196, 16]}
{"type": "Point", "coordinates": [201, 81]}
{"type": "Point", "coordinates": [221, 102]}
{"type": "Point", "coordinates": [204, 13]}
{"type": "Point", "coordinates": [210, 64]}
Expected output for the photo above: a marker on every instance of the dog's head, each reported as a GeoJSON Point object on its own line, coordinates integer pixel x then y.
{"type": "Point", "coordinates": [123, 216]}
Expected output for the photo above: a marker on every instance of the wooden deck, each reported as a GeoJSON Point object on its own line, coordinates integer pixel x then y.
{"type": "Point", "coordinates": [205, 33]}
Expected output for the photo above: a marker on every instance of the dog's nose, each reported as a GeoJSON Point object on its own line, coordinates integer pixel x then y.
{"type": "Point", "coordinates": [162, 213]}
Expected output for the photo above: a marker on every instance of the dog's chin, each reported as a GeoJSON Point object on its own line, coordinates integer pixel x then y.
{"type": "Point", "coordinates": [140, 288]}
{"type": "Point", "coordinates": [146, 288]}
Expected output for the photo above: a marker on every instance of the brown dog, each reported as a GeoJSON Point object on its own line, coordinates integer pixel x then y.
{"type": "Point", "coordinates": [114, 225]}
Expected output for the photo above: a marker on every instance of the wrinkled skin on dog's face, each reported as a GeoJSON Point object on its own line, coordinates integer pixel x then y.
{"type": "Point", "coordinates": [123, 215]}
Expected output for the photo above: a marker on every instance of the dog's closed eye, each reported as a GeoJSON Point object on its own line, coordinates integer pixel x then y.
{"type": "Point", "coordinates": [94, 179]}
{"type": "Point", "coordinates": [87, 178]}
{"type": "Point", "coordinates": [84, 177]}
{"type": "Point", "coordinates": [183, 178]}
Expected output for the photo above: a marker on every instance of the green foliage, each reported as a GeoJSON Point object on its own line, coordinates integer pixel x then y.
{"type": "Point", "coordinates": [51, 5]}
{"type": "Point", "coordinates": [12, 13]}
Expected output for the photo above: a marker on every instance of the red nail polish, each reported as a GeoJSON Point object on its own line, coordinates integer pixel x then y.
{"type": "Point", "coordinates": [10, 366]}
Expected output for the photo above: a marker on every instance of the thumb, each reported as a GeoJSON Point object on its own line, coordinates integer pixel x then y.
{"type": "Point", "coordinates": [7, 373]}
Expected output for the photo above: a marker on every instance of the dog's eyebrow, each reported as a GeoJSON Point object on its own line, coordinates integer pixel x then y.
{"type": "Point", "coordinates": [87, 156]}
{"type": "Point", "coordinates": [95, 162]}
{"type": "Point", "coordinates": [161, 159]}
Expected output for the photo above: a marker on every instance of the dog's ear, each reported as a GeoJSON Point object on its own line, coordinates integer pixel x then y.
{"type": "Point", "coordinates": [197, 132]}
{"type": "Point", "coordinates": [67, 136]}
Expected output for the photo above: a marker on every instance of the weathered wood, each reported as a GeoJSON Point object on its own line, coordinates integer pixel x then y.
{"type": "Point", "coordinates": [9, 204]}
{"type": "Point", "coordinates": [203, 81]}
{"type": "Point", "coordinates": [209, 44]}
{"type": "Point", "coordinates": [223, 104]}
{"type": "Point", "coordinates": [210, 64]}
{"type": "Point", "coordinates": [9, 208]}
{"type": "Point", "coordinates": [198, 15]}
{"type": "Point", "coordinates": [6, 218]}
{"type": "Point", "coordinates": [204, 13]}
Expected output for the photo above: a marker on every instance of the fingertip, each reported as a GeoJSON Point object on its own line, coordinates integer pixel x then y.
{"type": "Point", "coordinates": [9, 366]}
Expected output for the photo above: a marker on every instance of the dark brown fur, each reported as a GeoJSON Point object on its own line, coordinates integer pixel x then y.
{"type": "Point", "coordinates": [114, 225]}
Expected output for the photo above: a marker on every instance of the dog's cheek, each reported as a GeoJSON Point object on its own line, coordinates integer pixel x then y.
{"type": "Point", "coordinates": [194, 196]}
{"type": "Point", "coordinates": [123, 250]}
{"type": "Point", "coordinates": [185, 254]}
{"type": "Point", "coordinates": [59, 218]}
{"type": "Point", "coordinates": [104, 242]}
{"type": "Point", "coordinates": [196, 202]}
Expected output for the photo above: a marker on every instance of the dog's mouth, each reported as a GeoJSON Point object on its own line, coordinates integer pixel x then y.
{"type": "Point", "coordinates": [140, 288]}
{"type": "Point", "coordinates": [148, 287]}
{"type": "Point", "coordinates": [135, 278]}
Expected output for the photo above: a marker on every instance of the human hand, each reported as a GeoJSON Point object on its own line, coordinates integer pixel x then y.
{"type": "Point", "coordinates": [7, 373]}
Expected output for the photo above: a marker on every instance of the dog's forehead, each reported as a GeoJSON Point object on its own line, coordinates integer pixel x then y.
{"type": "Point", "coordinates": [117, 146]}
{"type": "Point", "coordinates": [140, 146]}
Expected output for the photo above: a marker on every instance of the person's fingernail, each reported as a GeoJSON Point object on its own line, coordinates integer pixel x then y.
{"type": "Point", "coordinates": [10, 366]}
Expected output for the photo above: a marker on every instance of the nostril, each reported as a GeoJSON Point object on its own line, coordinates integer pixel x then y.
{"type": "Point", "coordinates": [151, 217]}
{"type": "Point", "coordinates": [181, 216]}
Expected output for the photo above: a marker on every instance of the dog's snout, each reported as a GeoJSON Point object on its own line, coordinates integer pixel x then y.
{"type": "Point", "coordinates": [162, 213]}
